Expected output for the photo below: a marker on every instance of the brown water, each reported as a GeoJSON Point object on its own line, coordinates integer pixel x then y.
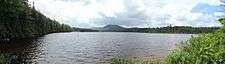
{"type": "Point", "coordinates": [90, 47]}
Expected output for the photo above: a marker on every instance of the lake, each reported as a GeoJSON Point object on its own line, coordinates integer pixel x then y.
{"type": "Point", "coordinates": [91, 47]}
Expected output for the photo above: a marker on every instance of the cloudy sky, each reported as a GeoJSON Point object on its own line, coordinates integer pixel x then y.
{"type": "Point", "coordinates": [132, 13]}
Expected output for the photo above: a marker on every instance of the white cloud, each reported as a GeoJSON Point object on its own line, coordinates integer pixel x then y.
{"type": "Point", "coordinates": [141, 13]}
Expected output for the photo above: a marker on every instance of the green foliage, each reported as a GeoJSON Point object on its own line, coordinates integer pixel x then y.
{"type": "Point", "coordinates": [222, 21]}
{"type": "Point", "coordinates": [19, 20]}
{"type": "Point", "coordinates": [6, 58]}
{"type": "Point", "coordinates": [204, 49]}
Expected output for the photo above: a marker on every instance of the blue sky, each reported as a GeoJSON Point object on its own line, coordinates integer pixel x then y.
{"type": "Point", "coordinates": [132, 13]}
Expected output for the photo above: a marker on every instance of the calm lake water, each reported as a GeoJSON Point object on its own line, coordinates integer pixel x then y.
{"type": "Point", "coordinates": [91, 47]}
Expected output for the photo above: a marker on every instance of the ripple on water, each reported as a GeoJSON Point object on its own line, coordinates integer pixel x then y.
{"type": "Point", "coordinates": [92, 47]}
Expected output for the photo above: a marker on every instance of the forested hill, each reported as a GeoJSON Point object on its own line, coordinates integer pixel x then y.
{"type": "Point", "coordinates": [18, 20]}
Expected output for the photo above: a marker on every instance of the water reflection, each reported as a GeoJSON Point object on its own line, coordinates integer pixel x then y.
{"type": "Point", "coordinates": [23, 51]}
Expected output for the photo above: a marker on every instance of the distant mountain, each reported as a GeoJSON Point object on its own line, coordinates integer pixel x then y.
{"type": "Point", "coordinates": [109, 28]}
{"type": "Point", "coordinates": [113, 28]}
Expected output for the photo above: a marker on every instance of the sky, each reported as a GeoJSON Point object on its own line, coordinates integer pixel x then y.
{"type": "Point", "coordinates": [132, 13]}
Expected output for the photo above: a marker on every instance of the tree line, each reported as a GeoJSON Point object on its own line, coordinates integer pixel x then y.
{"type": "Point", "coordinates": [175, 29]}
{"type": "Point", "coordinates": [18, 20]}
{"type": "Point", "coordinates": [167, 29]}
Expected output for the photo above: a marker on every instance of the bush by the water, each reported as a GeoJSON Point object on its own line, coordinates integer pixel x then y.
{"type": "Point", "coordinates": [204, 49]}
{"type": "Point", "coordinates": [7, 58]}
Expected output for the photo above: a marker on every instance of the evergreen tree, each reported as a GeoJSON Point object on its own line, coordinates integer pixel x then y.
{"type": "Point", "coordinates": [19, 20]}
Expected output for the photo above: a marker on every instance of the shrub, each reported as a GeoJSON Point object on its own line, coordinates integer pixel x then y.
{"type": "Point", "coordinates": [204, 49]}
{"type": "Point", "coordinates": [6, 58]}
